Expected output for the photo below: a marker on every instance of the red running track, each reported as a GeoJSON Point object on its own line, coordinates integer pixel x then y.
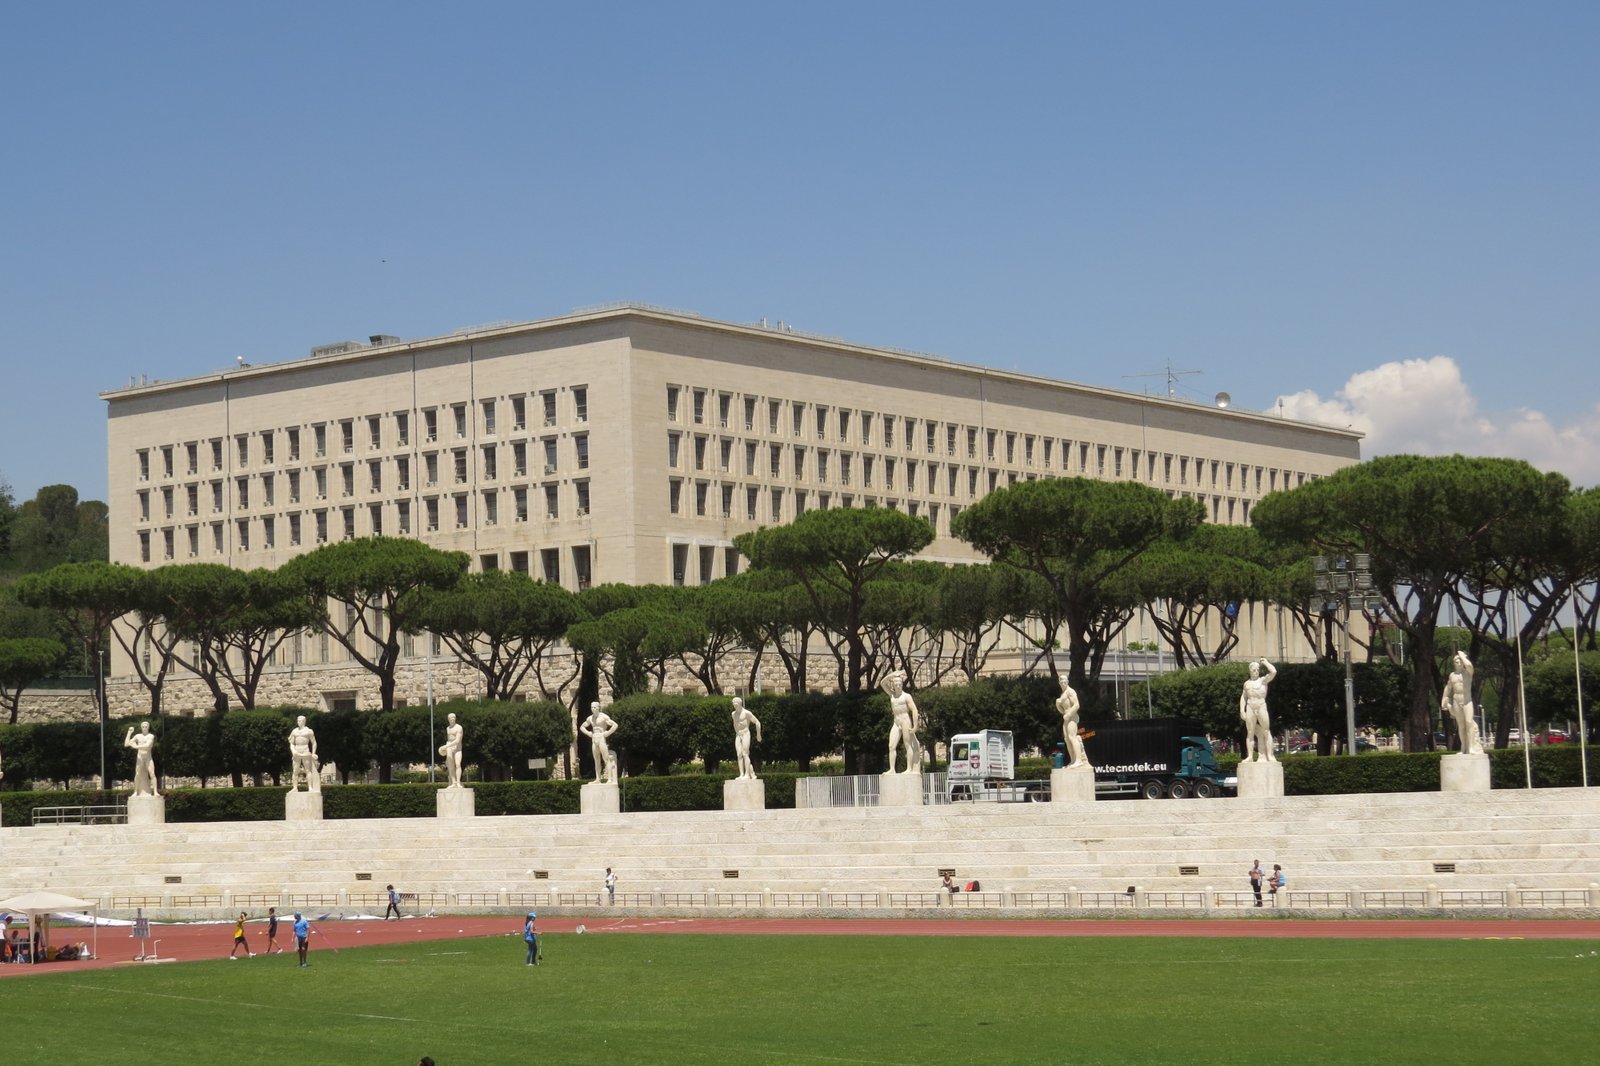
{"type": "Point", "coordinates": [193, 943]}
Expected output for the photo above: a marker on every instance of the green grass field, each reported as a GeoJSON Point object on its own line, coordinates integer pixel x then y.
{"type": "Point", "coordinates": [755, 1000]}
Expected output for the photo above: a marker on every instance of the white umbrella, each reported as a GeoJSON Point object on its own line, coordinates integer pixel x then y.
{"type": "Point", "coordinates": [35, 904]}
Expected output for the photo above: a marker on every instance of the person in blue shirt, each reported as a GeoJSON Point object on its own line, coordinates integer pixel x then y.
{"type": "Point", "coordinates": [302, 936]}
{"type": "Point", "coordinates": [394, 905]}
{"type": "Point", "coordinates": [530, 936]}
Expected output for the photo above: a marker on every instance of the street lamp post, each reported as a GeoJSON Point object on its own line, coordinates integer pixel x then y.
{"type": "Point", "coordinates": [1339, 581]}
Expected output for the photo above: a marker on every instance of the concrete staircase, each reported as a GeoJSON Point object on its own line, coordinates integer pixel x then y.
{"type": "Point", "coordinates": [1506, 849]}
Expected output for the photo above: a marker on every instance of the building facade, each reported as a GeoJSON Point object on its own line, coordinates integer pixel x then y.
{"type": "Point", "coordinates": [631, 444]}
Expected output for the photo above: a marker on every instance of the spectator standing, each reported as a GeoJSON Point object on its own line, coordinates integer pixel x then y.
{"type": "Point", "coordinates": [530, 936]}
{"type": "Point", "coordinates": [302, 937]}
{"type": "Point", "coordinates": [1256, 875]}
{"type": "Point", "coordinates": [272, 932]}
{"type": "Point", "coordinates": [611, 886]}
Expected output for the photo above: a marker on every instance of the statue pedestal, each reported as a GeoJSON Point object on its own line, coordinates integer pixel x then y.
{"type": "Point", "coordinates": [599, 797]}
{"type": "Point", "coordinates": [1072, 784]}
{"type": "Point", "coordinates": [456, 801]}
{"type": "Point", "coordinates": [744, 794]}
{"type": "Point", "coordinates": [900, 790]}
{"type": "Point", "coordinates": [1260, 780]}
{"type": "Point", "coordinates": [147, 810]}
{"type": "Point", "coordinates": [1464, 773]}
{"type": "Point", "coordinates": [302, 807]}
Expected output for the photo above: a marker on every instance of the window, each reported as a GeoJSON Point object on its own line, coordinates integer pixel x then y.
{"type": "Point", "coordinates": [844, 424]}
{"type": "Point", "coordinates": [402, 517]}
{"type": "Point", "coordinates": [266, 490]}
{"type": "Point", "coordinates": [243, 526]}
{"type": "Point", "coordinates": [321, 476]}
{"type": "Point", "coordinates": [430, 468]}
{"type": "Point", "coordinates": [888, 431]}
{"type": "Point", "coordinates": [799, 416]}
{"type": "Point", "coordinates": [672, 403]}
{"type": "Point", "coordinates": [430, 426]}
{"type": "Point", "coordinates": [581, 567]}
{"type": "Point", "coordinates": [866, 471]}
{"type": "Point", "coordinates": [487, 563]}
{"type": "Point", "coordinates": [144, 507]}
{"type": "Point", "coordinates": [144, 465]}
{"type": "Point", "coordinates": [724, 401]}
{"type": "Point", "coordinates": [799, 463]}
{"type": "Point", "coordinates": [749, 413]}
{"type": "Point", "coordinates": [725, 456]}
{"type": "Point", "coordinates": [774, 409]}
{"type": "Point", "coordinates": [674, 440]}
{"type": "Point", "coordinates": [294, 444]}
{"type": "Point", "coordinates": [402, 428]}
{"type": "Point", "coordinates": [700, 499]}
{"type": "Point", "coordinates": [241, 494]}
{"type": "Point", "coordinates": [375, 475]}
{"type": "Point", "coordinates": [580, 441]}
{"type": "Point", "coordinates": [519, 562]}
{"type": "Point", "coordinates": [550, 562]}
{"type": "Point", "coordinates": [699, 411]}
{"type": "Point", "coordinates": [699, 453]}
{"type": "Point", "coordinates": [548, 399]}
{"type": "Point", "coordinates": [402, 473]}
{"type": "Point", "coordinates": [488, 418]}
{"type": "Point", "coordinates": [241, 443]}
{"type": "Point", "coordinates": [777, 504]}
{"type": "Point", "coordinates": [822, 466]}
{"type": "Point", "coordinates": [216, 454]}
{"type": "Point", "coordinates": [932, 432]}
{"type": "Point", "coordinates": [374, 432]}
{"type": "Point", "coordinates": [268, 533]}
{"type": "Point", "coordinates": [319, 440]}
{"type": "Point", "coordinates": [582, 488]}
{"type": "Point", "coordinates": [192, 454]}
{"type": "Point", "coordinates": [349, 516]}
{"type": "Point", "coordinates": [1027, 449]}
{"type": "Point", "coordinates": [727, 501]}
{"type": "Point", "coordinates": [1048, 441]}
{"type": "Point", "coordinates": [193, 493]}
{"type": "Point", "coordinates": [680, 562]}
{"type": "Point", "coordinates": [751, 499]}
{"type": "Point", "coordinates": [888, 474]}
{"type": "Point", "coordinates": [866, 427]}
{"type": "Point", "coordinates": [322, 527]}
{"type": "Point", "coordinates": [822, 423]}
{"type": "Point", "coordinates": [216, 497]}
{"type": "Point", "coordinates": [844, 468]}
{"type": "Point", "coordinates": [519, 500]}
{"type": "Point", "coordinates": [775, 459]}
{"type": "Point", "coordinates": [675, 496]}
{"type": "Point", "coordinates": [708, 562]}
{"type": "Point", "coordinates": [347, 435]}
{"type": "Point", "coordinates": [487, 463]}
{"type": "Point", "coordinates": [430, 508]}
{"type": "Point", "coordinates": [549, 455]}
{"type": "Point", "coordinates": [458, 415]}
{"type": "Point", "coordinates": [347, 479]}
{"type": "Point", "coordinates": [519, 412]}
{"type": "Point", "coordinates": [580, 403]}
{"type": "Point", "coordinates": [950, 440]}
{"type": "Point", "coordinates": [216, 537]}
{"type": "Point", "coordinates": [461, 511]}
{"type": "Point", "coordinates": [552, 508]}
{"type": "Point", "coordinates": [294, 530]}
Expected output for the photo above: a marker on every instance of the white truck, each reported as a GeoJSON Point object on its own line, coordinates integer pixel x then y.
{"type": "Point", "coordinates": [983, 767]}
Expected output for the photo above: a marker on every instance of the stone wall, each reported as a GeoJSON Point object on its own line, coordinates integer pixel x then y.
{"type": "Point", "coordinates": [57, 705]}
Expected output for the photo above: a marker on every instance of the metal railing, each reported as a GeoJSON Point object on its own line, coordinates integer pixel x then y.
{"type": "Point", "coordinates": [108, 814]}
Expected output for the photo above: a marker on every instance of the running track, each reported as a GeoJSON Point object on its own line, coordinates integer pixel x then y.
{"type": "Point", "coordinates": [192, 943]}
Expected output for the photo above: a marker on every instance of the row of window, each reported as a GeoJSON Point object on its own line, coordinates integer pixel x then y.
{"type": "Point", "coordinates": [516, 504]}
{"type": "Point", "coordinates": [377, 432]}
{"type": "Point", "coordinates": [843, 425]}
{"type": "Point", "coordinates": [369, 477]}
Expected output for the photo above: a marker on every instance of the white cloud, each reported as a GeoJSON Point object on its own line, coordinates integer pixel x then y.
{"type": "Point", "coordinates": [1424, 407]}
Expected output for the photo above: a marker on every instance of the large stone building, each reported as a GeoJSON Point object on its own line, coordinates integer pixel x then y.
{"type": "Point", "coordinates": [628, 444]}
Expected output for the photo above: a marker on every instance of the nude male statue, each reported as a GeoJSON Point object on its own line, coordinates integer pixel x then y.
{"type": "Point", "coordinates": [1067, 704]}
{"type": "Point", "coordinates": [1457, 701]}
{"type": "Point", "coordinates": [303, 757]}
{"type": "Point", "coordinates": [597, 727]}
{"type": "Point", "coordinates": [1253, 709]}
{"type": "Point", "coordinates": [451, 750]}
{"type": "Point", "coordinates": [144, 773]}
{"type": "Point", "coordinates": [743, 719]}
{"type": "Point", "coordinates": [904, 730]}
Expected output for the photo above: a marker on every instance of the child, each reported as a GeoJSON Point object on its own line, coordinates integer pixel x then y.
{"type": "Point", "coordinates": [238, 939]}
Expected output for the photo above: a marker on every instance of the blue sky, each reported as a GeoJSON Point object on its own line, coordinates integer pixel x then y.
{"type": "Point", "coordinates": [1384, 214]}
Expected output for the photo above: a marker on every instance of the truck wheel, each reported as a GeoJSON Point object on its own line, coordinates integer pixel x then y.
{"type": "Point", "coordinates": [1180, 789]}
{"type": "Point", "coordinates": [1204, 789]}
{"type": "Point", "coordinates": [1152, 790]}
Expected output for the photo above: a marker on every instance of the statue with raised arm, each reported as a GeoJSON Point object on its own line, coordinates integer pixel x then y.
{"type": "Point", "coordinates": [597, 727]}
{"type": "Point", "coordinates": [451, 750]}
{"type": "Point", "coordinates": [1457, 702]}
{"type": "Point", "coordinates": [742, 721]}
{"type": "Point", "coordinates": [1253, 709]}
{"type": "Point", "coordinates": [144, 770]}
{"type": "Point", "coordinates": [303, 757]}
{"type": "Point", "coordinates": [1067, 704]}
{"type": "Point", "coordinates": [904, 731]}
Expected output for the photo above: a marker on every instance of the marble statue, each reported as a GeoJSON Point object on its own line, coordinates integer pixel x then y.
{"type": "Point", "coordinates": [904, 730]}
{"type": "Point", "coordinates": [451, 750]}
{"type": "Point", "coordinates": [1253, 709]}
{"type": "Point", "coordinates": [742, 721]}
{"type": "Point", "coordinates": [597, 727]}
{"type": "Point", "coordinates": [303, 757]}
{"type": "Point", "coordinates": [144, 771]}
{"type": "Point", "coordinates": [1067, 704]}
{"type": "Point", "coordinates": [1457, 701]}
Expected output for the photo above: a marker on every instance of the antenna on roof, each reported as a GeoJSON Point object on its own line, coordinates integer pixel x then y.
{"type": "Point", "coordinates": [1171, 374]}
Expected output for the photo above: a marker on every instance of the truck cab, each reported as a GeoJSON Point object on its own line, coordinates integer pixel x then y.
{"type": "Point", "coordinates": [983, 767]}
